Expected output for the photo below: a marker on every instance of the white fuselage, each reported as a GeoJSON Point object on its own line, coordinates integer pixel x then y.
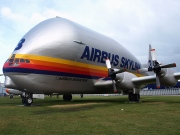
{"type": "Point", "coordinates": [60, 56]}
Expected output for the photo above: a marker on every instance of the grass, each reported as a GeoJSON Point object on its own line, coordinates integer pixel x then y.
{"type": "Point", "coordinates": [91, 115]}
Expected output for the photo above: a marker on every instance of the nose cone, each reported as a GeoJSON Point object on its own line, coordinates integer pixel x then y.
{"type": "Point", "coordinates": [4, 67]}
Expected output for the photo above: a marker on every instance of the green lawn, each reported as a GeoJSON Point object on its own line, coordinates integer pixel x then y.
{"type": "Point", "coordinates": [112, 115]}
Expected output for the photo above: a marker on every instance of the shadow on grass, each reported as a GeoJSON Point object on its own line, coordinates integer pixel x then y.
{"type": "Point", "coordinates": [78, 104]}
{"type": "Point", "coordinates": [67, 109]}
{"type": "Point", "coordinates": [50, 101]}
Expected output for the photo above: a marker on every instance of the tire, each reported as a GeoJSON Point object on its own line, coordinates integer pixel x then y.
{"type": "Point", "coordinates": [23, 100]}
{"type": "Point", "coordinates": [136, 97]}
{"type": "Point", "coordinates": [27, 101]}
{"type": "Point", "coordinates": [67, 97]}
{"type": "Point", "coordinates": [11, 96]}
{"type": "Point", "coordinates": [130, 96]}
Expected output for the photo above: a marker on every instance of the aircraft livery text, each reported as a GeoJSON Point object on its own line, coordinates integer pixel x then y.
{"type": "Point", "coordinates": [96, 55]}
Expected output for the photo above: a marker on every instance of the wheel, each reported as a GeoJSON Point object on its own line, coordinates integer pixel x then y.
{"type": "Point", "coordinates": [23, 100]}
{"type": "Point", "coordinates": [130, 96]}
{"type": "Point", "coordinates": [11, 96]}
{"type": "Point", "coordinates": [67, 97]}
{"type": "Point", "coordinates": [27, 101]}
{"type": "Point", "coordinates": [136, 97]}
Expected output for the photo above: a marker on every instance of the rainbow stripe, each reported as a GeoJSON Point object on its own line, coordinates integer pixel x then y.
{"type": "Point", "coordinates": [56, 66]}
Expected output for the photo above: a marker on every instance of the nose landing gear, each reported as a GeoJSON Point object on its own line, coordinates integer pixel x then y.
{"type": "Point", "coordinates": [27, 99]}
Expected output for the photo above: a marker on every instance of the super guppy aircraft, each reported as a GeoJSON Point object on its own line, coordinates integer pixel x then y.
{"type": "Point", "coordinates": [60, 56]}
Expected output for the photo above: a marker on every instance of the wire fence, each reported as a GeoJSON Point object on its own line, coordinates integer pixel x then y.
{"type": "Point", "coordinates": [175, 91]}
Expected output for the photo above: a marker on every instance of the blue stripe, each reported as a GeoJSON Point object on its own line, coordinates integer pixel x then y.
{"type": "Point", "coordinates": [45, 72]}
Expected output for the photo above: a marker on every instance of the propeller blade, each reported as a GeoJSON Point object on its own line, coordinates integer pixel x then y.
{"type": "Point", "coordinates": [114, 86]}
{"type": "Point", "coordinates": [157, 82]}
{"type": "Point", "coordinates": [108, 64]}
{"type": "Point", "coordinates": [169, 65]}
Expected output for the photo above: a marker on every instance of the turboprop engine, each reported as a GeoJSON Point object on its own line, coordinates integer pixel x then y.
{"type": "Point", "coordinates": [164, 73]}
{"type": "Point", "coordinates": [123, 80]}
{"type": "Point", "coordinates": [120, 78]}
{"type": "Point", "coordinates": [166, 77]}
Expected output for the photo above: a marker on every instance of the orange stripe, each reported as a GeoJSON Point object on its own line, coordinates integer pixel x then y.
{"type": "Point", "coordinates": [67, 67]}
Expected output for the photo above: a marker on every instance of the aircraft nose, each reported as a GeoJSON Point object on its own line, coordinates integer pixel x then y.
{"type": "Point", "coordinates": [4, 67]}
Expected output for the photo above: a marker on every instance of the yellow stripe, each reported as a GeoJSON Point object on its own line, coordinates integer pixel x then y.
{"type": "Point", "coordinates": [58, 60]}
{"type": "Point", "coordinates": [136, 74]}
{"type": "Point", "coordinates": [63, 61]}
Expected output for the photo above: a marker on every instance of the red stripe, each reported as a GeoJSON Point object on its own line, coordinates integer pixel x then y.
{"type": "Point", "coordinates": [70, 69]}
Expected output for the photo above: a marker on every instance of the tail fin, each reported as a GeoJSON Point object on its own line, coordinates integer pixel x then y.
{"type": "Point", "coordinates": [148, 67]}
{"type": "Point", "coordinates": [150, 61]}
{"type": "Point", "coordinates": [150, 58]}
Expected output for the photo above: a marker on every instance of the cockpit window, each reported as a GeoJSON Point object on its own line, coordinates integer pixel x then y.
{"type": "Point", "coordinates": [27, 61]}
{"type": "Point", "coordinates": [16, 60]}
{"type": "Point", "coordinates": [13, 56]}
{"type": "Point", "coordinates": [11, 60]}
{"type": "Point", "coordinates": [22, 60]}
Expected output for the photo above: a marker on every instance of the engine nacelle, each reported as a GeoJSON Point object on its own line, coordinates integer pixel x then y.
{"type": "Point", "coordinates": [123, 81]}
{"type": "Point", "coordinates": [167, 77]}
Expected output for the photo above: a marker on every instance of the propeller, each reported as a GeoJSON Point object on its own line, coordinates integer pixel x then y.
{"type": "Point", "coordinates": [157, 67]}
{"type": "Point", "coordinates": [112, 73]}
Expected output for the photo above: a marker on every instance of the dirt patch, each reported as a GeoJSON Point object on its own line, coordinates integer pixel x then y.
{"type": "Point", "coordinates": [155, 103]}
{"type": "Point", "coordinates": [75, 105]}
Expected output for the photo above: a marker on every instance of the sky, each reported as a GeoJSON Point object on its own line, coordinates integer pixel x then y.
{"type": "Point", "coordinates": [133, 23]}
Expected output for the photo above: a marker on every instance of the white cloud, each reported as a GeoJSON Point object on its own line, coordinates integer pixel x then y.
{"type": "Point", "coordinates": [6, 12]}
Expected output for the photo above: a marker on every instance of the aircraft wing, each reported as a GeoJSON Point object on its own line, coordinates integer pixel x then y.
{"type": "Point", "coordinates": [104, 86]}
{"type": "Point", "coordinates": [138, 82]}
{"type": "Point", "coordinates": [144, 80]}
{"type": "Point", "coordinates": [102, 83]}
{"type": "Point", "coordinates": [150, 79]}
